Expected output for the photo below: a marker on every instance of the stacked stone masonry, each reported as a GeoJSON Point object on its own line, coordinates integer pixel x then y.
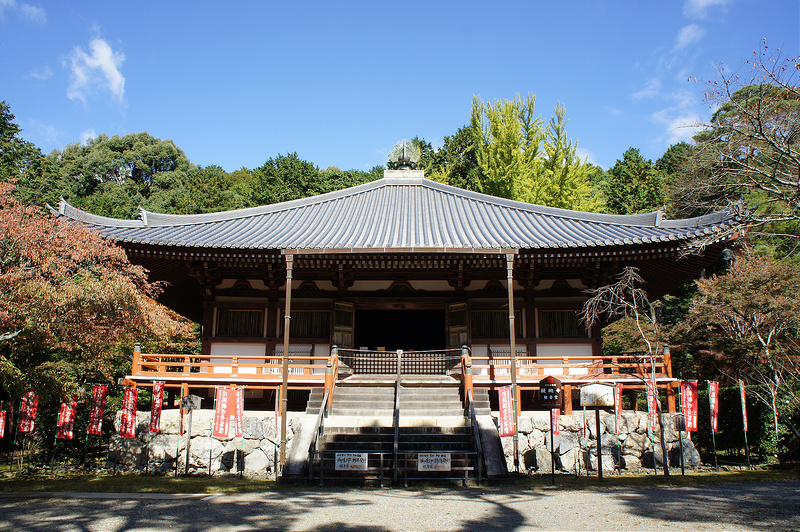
{"type": "Point", "coordinates": [255, 453]}
{"type": "Point", "coordinates": [575, 448]}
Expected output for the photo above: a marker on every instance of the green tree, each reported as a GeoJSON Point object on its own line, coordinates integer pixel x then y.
{"type": "Point", "coordinates": [519, 158]}
{"type": "Point", "coordinates": [285, 178]}
{"type": "Point", "coordinates": [633, 185]}
{"type": "Point", "coordinates": [750, 148]}
{"type": "Point", "coordinates": [748, 321]}
{"type": "Point", "coordinates": [112, 176]}
{"type": "Point", "coordinates": [673, 160]}
{"type": "Point", "coordinates": [17, 156]}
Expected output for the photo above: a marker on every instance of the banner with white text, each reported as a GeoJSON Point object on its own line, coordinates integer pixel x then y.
{"type": "Point", "coordinates": [617, 407]}
{"type": "Point", "coordinates": [156, 406]}
{"type": "Point", "coordinates": [556, 421]}
{"type": "Point", "coordinates": [689, 404]}
{"type": "Point", "coordinates": [744, 404]}
{"type": "Point", "coordinates": [99, 393]}
{"type": "Point", "coordinates": [506, 411]}
{"type": "Point", "coordinates": [652, 404]}
{"type": "Point", "coordinates": [713, 403]}
{"type": "Point", "coordinates": [127, 428]}
{"type": "Point", "coordinates": [222, 413]}
{"type": "Point", "coordinates": [66, 419]}
{"type": "Point", "coordinates": [27, 413]}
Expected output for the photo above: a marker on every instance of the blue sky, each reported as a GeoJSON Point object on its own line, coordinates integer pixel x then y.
{"type": "Point", "coordinates": [236, 83]}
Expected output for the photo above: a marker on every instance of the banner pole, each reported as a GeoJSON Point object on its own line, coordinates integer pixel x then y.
{"type": "Point", "coordinates": [682, 426]}
{"type": "Point", "coordinates": [241, 470]}
{"type": "Point", "coordinates": [552, 451]}
{"type": "Point", "coordinates": [211, 444]}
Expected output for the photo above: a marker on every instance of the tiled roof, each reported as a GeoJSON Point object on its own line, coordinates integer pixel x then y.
{"type": "Point", "coordinates": [402, 211]}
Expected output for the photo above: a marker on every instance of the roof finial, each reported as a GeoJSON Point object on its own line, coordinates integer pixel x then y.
{"type": "Point", "coordinates": [404, 156]}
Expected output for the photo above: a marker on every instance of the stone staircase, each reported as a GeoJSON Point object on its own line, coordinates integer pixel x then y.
{"type": "Point", "coordinates": [431, 420]}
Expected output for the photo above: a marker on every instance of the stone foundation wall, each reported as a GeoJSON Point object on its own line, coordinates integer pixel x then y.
{"type": "Point", "coordinates": [256, 453]}
{"type": "Point", "coordinates": [575, 448]}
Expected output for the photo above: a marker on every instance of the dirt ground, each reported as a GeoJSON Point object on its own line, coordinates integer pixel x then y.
{"type": "Point", "coordinates": [729, 506]}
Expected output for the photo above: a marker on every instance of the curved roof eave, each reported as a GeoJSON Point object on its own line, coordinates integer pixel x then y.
{"type": "Point", "coordinates": [405, 213]}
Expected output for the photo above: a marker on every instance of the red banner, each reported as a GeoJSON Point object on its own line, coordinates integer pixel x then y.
{"type": "Point", "coordinates": [652, 404]}
{"type": "Point", "coordinates": [2, 424]}
{"type": "Point", "coordinates": [713, 403]}
{"type": "Point", "coordinates": [155, 407]}
{"type": "Point", "coordinates": [617, 407]}
{"type": "Point", "coordinates": [99, 392]}
{"type": "Point", "coordinates": [127, 429]}
{"type": "Point", "coordinates": [556, 421]}
{"type": "Point", "coordinates": [238, 411]}
{"type": "Point", "coordinates": [222, 413]}
{"type": "Point", "coordinates": [506, 411]}
{"type": "Point", "coordinates": [27, 413]}
{"type": "Point", "coordinates": [689, 404]}
{"type": "Point", "coordinates": [66, 419]}
{"type": "Point", "coordinates": [744, 405]}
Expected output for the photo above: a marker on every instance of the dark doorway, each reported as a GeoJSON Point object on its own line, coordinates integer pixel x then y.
{"type": "Point", "coordinates": [410, 330]}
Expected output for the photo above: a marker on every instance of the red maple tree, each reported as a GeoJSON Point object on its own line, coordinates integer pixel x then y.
{"type": "Point", "coordinates": [71, 304]}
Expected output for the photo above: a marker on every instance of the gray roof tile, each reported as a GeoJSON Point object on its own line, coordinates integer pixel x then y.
{"type": "Point", "coordinates": [400, 213]}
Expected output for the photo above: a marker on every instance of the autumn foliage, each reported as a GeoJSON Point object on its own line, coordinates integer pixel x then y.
{"type": "Point", "coordinates": [71, 304]}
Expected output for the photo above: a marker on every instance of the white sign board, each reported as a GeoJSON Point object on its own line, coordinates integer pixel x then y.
{"type": "Point", "coordinates": [597, 395]}
{"type": "Point", "coordinates": [433, 462]}
{"type": "Point", "coordinates": [351, 461]}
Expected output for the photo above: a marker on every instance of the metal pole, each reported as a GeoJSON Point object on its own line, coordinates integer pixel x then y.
{"type": "Point", "coordinates": [599, 444]}
{"type": "Point", "coordinates": [512, 333]}
{"type": "Point", "coordinates": [188, 442]}
{"type": "Point", "coordinates": [285, 368]}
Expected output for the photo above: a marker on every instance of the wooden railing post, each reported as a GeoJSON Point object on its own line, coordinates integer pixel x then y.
{"type": "Point", "coordinates": [667, 361]}
{"type": "Point", "coordinates": [136, 365]}
{"type": "Point", "coordinates": [466, 371]}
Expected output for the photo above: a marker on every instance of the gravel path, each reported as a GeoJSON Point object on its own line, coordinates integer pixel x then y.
{"type": "Point", "coordinates": [732, 506]}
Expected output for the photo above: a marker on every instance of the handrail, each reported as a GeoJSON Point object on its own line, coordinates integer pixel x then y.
{"type": "Point", "coordinates": [208, 365]}
{"type": "Point", "coordinates": [319, 427]}
{"type": "Point", "coordinates": [476, 433]}
{"type": "Point", "coordinates": [582, 366]}
{"type": "Point", "coordinates": [396, 418]}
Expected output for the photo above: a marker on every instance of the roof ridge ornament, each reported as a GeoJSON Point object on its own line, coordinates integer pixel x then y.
{"type": "Point", "coordinates": [404, 156]}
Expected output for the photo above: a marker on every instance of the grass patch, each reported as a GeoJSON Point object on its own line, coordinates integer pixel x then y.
{"type": "Point", "coordinates": [136, 483]}
{"type": "Point", "coordinates": [641, 480]}
{"type": "Point", "coordinates": [130, 483]}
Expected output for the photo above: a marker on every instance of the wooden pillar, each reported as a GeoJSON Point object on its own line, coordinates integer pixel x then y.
{"type": "Point", "coordinates": [567, 396]}
{"type": "Point", "coordinates": [512, 334]}
{"type": "Point", "coordinates": [285, 367]}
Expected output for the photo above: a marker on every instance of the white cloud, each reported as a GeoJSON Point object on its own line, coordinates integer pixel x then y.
{"type": "Point", "coordinates": [42, 132]}
{"type": "Point", "coordinates": [88, 135]}
{"type": "Point", "coordinates": [700, 8]}
{"type": "Point", "coordinates": [681, 121]}
{"type": "Point", "coordinates": [689, 35]}
{"type": "Point", "coordinates": [98, 70]}
{"type": "Point", "coordinates": [586, 155]}
{"type": "Point", "coordinates": [651, 89]}
{"type": "Point", "coordinates": [41, 74]}
{"type": "Point", "coordinates": [33, 14]}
